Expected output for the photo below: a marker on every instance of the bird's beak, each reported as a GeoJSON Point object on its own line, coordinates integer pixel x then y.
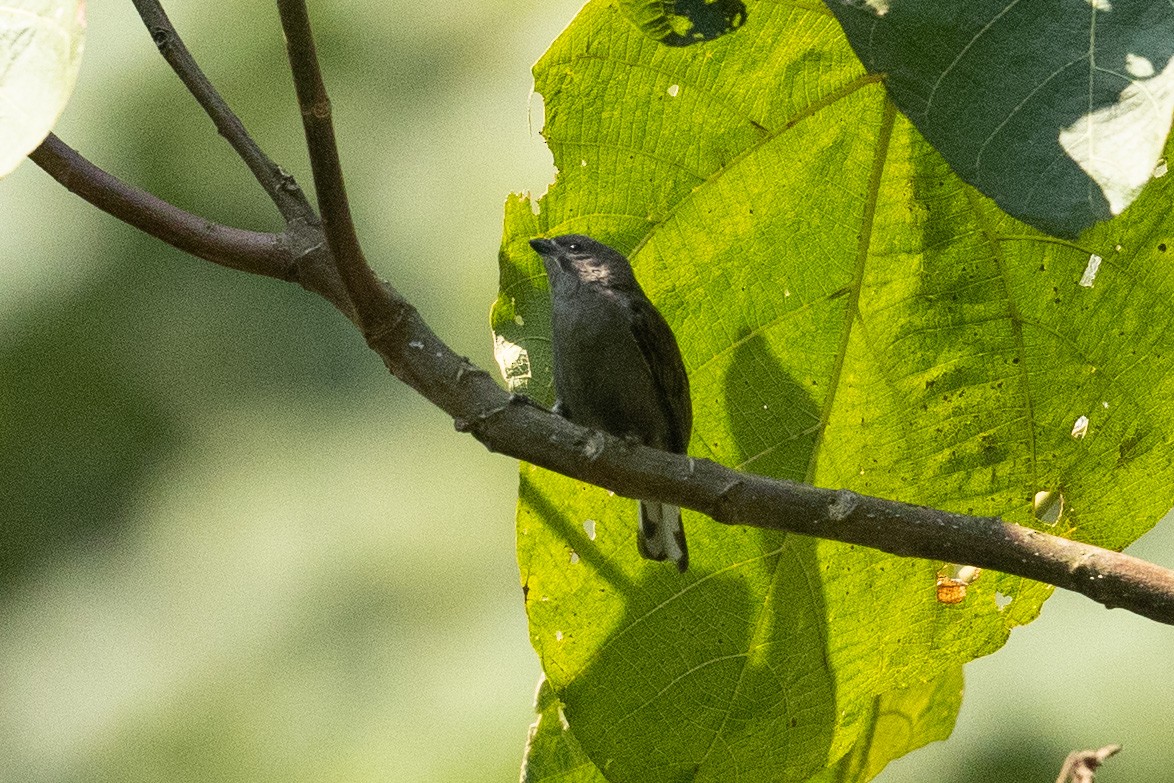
{"type": "Point", "coordinates": [544, 247]}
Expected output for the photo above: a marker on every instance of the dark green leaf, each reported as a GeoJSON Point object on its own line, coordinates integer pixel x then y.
{"type": "Point", "coordinates": [1057, 111]}
{"type": "Point", "coordinates": [901, 721]}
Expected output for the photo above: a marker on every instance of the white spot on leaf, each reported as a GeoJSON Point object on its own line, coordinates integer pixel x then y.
{"type": "Point", "coordinates": [675, 90]}
{"type": "Point", "coordinates": [967, 574]}
{"type": "Point", "coordinates": [1138, 67]}
{"type": "Point", "coordinates": [1002, 600]}
{"type": "Point", "coordinates": [1080, 427]}
{"type": "Point", "coordinates": [589, 528]}
{"type": "Point", "coordinates": [574, 557]}
{"type": "Point", "coordinates": [878, 7]}
{"type": "Point", "coordinates": [1160, 169]}
{"type": "Point", "coordinates": [1090, 271]}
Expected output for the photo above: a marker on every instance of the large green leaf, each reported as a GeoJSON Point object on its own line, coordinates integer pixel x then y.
{"type": "Point", "coordinates": [852, 315]}
{"type": "Point", "coordinates": [40, 51]}
{"type": "Point", "coordinates": [1057, 110]}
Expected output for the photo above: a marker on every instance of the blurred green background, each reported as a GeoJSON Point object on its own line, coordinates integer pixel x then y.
{"type": "Point", "coordinates": [232, 548]}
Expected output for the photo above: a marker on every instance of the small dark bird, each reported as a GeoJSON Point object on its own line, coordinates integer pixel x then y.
{"type": "Point", "coordinates": [617, 367]}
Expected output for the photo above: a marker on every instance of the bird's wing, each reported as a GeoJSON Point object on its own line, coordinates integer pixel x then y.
{"type": "Point", "coordinates": [663, 356]}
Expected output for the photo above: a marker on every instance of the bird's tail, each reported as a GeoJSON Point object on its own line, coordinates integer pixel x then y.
{"type": "Point", "coordinates": [661, 536]}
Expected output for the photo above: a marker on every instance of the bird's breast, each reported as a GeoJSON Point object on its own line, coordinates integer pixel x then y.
{"type": "Point", "coordinates": [600, 373]}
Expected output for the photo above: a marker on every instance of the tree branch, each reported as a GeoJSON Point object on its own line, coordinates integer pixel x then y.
{"type": "Point", "coordinates": [379, 308]}
{"type": "Point", "coordinates": [298, 255]}
{"type": "Point", "coordinates": [1081, 765]}
{"type": "Point", "coordinates": [248, 251]}
{"type": "Point", "coordinates": [478, 405]}
{"type": "Point", "coordinates": [283, 190]}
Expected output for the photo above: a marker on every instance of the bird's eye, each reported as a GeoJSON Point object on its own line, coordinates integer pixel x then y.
{"type": "Point", "coordinates": [574, 247]}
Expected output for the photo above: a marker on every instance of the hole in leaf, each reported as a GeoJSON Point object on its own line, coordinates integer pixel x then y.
{"type": "Point", "coordinates": [1048, 506]}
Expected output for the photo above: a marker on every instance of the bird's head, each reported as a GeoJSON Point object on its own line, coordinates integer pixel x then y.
{"type": "Point", "coordinates": [574, 259]}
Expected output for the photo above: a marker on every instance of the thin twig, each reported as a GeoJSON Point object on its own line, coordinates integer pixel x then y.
{"type": "Point", "coordinates": [248, 251]}
{"type": "Point", "coordinates": [281, 186]}
{"type": "Point", "coordinates": [379, 309]}
{"type": "Point", "coordinates": [299, 255]}
{"type": "Point", "coordinates": [1081, 765]}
